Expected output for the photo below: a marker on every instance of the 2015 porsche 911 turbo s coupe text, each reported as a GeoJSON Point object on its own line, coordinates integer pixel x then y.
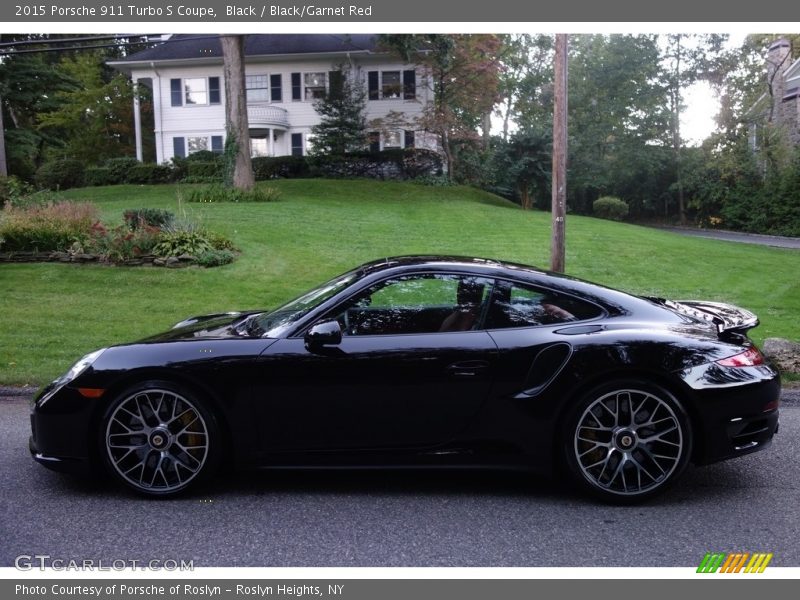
{"type": "Point", "coordinates": [418, 362]}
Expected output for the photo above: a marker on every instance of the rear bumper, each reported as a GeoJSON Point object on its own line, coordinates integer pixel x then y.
{"type": "Point", "coordinates": [736, 420]}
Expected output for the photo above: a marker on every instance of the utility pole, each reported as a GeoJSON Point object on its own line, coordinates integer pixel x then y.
{"type": "Point", "coordinates": [559, 181]}
{"type": "Point", "coordinates": [3, 165]}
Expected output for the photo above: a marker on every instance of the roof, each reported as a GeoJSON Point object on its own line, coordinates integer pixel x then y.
{"type": "Point", "coordinates": [207, 48]}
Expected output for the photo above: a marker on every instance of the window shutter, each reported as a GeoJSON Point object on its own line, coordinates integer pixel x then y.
{"type": "Point", "coordinates": [372, 85]}
{"type": "Point", "coordinates": [409, 135]}
{"type": "Point", "coordinates": [297, 89]}
{"type": "Point", "coordinates": [178, 146]}
{"type": "Point", "coordinates": [297, 144]}
{"type": "Point", "coordinates": [216, 144]}
{"type": "Point", "coordinates": [276, 87]}
{"type": "Point", "coordinates": [409, 84]}
{"type": "Point", "coordinates": [213, 90]}
{"type": "Point", "coordinates": [176, 91]}
{"type": "Point", "coordinates": [374, 141]}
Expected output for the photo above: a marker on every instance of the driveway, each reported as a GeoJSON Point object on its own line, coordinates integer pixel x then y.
{"type": "Point", "coordinates": [735, 236]}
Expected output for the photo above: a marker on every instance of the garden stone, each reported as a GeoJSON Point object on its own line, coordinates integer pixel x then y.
{"type": "Point", "coordinates": [784, 353]}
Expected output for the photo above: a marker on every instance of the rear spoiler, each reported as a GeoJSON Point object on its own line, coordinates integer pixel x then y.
{"type": "Point", "coordinates": [731, 321]}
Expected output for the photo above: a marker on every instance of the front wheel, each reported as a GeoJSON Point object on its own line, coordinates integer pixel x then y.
{"type": "Point", "coordinates": [627, 441]}
{"type": "Point", "coordinates": [159, 439]}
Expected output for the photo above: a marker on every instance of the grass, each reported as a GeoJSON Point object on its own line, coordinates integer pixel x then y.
{"type": "Point", "coordinates": [53, 313]}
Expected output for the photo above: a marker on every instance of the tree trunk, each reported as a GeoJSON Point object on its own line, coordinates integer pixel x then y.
{"type": "Point", "coordinates": [239, 167]}
{"type": "Point", "coordinates": [559, 197]}
{"type": "Point", "coordinates": [3, 165]}
{"type": "Point", "coordinates": [524, 196]}
{"type": "Point", "coordinates": [486, 126]}
{"type": "Point", "coordinates": [448, 153]}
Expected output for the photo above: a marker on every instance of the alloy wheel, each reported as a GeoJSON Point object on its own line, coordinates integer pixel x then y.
{"type": "Point", "coordinates": [629, 442]}
{"type": "Point", "coordinates": [157, 441]}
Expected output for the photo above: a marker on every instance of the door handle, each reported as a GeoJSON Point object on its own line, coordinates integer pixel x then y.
{"type": "Point", "coordinates": [467, 368]}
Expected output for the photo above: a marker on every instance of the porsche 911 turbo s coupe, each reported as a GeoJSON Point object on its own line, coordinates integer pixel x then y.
{"type": "Point", "coordinates": [424, 362]}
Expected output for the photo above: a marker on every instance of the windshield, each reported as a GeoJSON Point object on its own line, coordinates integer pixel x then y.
{"type": "Point", "coordinates": [273, 323]}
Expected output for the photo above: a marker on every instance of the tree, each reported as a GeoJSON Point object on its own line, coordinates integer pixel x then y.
{"type": "Point", "coordinates": [463, 71]}
{"type": "Point", "coordinates": [686, 58]}
{"type": "Point", "coordinates": [342, 127]}
{"type": "Point", "coordinates": [239, 167]}
{"type": "Point", "coordinates": [524, 163]}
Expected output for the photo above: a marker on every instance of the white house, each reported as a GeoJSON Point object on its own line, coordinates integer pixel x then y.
{"type": "Point", "coordinates": [284, 74]}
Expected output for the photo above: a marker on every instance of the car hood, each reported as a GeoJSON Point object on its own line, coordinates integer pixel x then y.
{"type": "Point", "coordinates": [213, 326]}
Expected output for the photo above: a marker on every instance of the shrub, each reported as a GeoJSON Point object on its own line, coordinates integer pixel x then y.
{"type": "Point", "coordinates": [220, 193]}
{"type": "Point", "coordinates": [205, 156]}
{"type": "Point", "coordinates": [119, 169]}
{"type": "Point", "coordinates": [47, 228]}
{"type": "Point", "coordinates": [609, 207]}
{"type": "Point", "coordinates": [395, 163]}
{"type": "Point", "coordinates": [95, 176]}
{"type": "Point", "coordinates": [12, 190]}
{"type": "Point", "coordinates": [60, 174]}
{"type": "Point", "coordinates": [220, 242]}
{"type": "Point", "coordinates": [272, 167]}
{"type": "Point", "coordinates": [176, 243]}
{"type": "Point", "coordinates": [148, 173]}
{"type": "Point", "coordinates": [148, 217]}
{"type": "Point", "coordinates": [204, 169]}
{"type": "Point", "coordinates": [435, 181]}
{"type": "Point", "coordinates": [122, 243]}
{"type": "Point", "coordinates": [215, 258]}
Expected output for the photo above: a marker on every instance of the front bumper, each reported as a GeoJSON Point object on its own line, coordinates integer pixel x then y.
{"type": "Point", "coordinates": [61, 437]}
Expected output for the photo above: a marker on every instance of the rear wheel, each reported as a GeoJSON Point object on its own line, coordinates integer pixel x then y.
{"type": "Point", "coordinates": [627, 441]}
{"type": "Point", "coordinates": [159, 439]}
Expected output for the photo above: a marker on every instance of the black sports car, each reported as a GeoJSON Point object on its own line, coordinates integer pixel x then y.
{"type": "Point", "coordinates": [424, 361]}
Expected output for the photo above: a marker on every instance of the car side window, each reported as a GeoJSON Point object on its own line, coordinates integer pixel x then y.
{"type": "Point", "coordinates": [518, 305]}
{"type": "Point", "coordinates": [419, 303]}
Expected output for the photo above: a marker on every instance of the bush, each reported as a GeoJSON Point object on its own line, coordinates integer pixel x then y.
{"type": "Point", "coordinates": [149, 173]}
{"type": "Point", "coordinates": [12, 190]}
{"type": "Point", "coordinates": [177, 243]}
{"type": "Point", "coordinates": [215, 258]}
{"type": "Point", "coordinates": [271, 167]}
{"type": "Point", "coordinates": [204, 169]}
{"type": "Point", "coordinates": [220, 193]}
{"type": "Point", "coordinates": [220, 242]}
{"type": "Point", "coordinates": [119, 169]}
{"type": "Point", "coordinates": [148, 217]}
{"type": "Point", "coordinates": [205, 156]}
{"type": "Point", "coordinates": [60, 174]}
{"type": "Point", "coordinates": [388, 164]}
{"type": "Point", "coordinates": [47, 228]}
{"type": "Point", "coordinates": [122, 243]}
{"type": "Point", "coordinates": [95, 176]}
{"type": "Point", "coordinates": [609, 207]}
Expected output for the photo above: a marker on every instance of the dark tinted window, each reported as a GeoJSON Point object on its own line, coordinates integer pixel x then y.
{"type": "Point", "coordinates": [515, 305]}
{"type": "Point", "coordinates": [422, 303]}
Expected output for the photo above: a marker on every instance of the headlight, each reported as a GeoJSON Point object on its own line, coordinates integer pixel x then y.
{"type": "Point", "coordinates": [79, 367]}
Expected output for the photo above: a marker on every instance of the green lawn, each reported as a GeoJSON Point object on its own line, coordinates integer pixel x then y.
{"type": "Point", "coordinates": [54, 313]}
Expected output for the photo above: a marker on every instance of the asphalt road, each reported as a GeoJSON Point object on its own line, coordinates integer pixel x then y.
{"type": "Point", "coordinates": [401, 518]}
{"type": "Point", "coordinates": [777, 241]}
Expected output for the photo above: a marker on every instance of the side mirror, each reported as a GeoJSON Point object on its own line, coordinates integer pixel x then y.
{"type": "Point", "coordinates": [324, 333]}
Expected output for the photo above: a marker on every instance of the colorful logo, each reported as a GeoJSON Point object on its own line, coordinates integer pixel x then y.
{"type": "Point", "coordinates": [736, 562]}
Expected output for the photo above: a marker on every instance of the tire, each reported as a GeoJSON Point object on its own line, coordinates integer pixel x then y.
{"type": "Point", "coordinates": [159, 439]}
{"type": "Point", "coordinates": [626, 441]}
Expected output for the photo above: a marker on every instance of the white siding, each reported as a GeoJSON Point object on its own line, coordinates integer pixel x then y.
{"type": "Point", "coordinates": [193, 120]}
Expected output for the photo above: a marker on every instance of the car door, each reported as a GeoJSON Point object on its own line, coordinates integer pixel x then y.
{"type": "Point", "coordinates": [406, 373]}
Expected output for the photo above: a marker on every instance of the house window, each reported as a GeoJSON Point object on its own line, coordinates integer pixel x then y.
{"type": "Point", "coordinates": [387, 85]}
{"type": "Point", "coordinates": [314, 84]}
{"type": "Point", "coordinates": [275, 84]}
{"type": "Point", "coordinates": [216, 144]}
{"type": "Point", "coordinates": [409, 139]}
{"type": "Point", "coordinates": [297, 144]}
{"type": "Point", "coordinates": [178, 147]}
{"type": "Point", "coordinates": [259, 147]}
{"type": "Point", "coordinates": [257, 88]}
{"type": "Point", "coordinates": [195, 91]}
{"type": "Point", "coordinates": [196, 144]}
{"type": "Point", "coordinates": [390, 84]}
{"type": "Point", "coordinates": [392, 140]}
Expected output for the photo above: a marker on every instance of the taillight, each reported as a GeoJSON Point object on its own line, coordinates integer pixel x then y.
{"type": "Point", "coordinates": [749, 358]}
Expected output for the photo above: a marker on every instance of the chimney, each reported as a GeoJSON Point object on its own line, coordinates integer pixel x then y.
{"type": "Point", "coordinates": [778, 60]}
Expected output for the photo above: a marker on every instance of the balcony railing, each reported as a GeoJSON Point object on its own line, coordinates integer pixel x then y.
{"type": "Point", "coordinates": [267, 116]}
